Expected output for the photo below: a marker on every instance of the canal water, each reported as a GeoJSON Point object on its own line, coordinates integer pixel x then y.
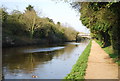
{"type": "Point", "coordinates": [41, 62]}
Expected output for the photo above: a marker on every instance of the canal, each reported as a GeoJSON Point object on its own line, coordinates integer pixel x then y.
{"type": "Point", "coordinates": [41, 62]}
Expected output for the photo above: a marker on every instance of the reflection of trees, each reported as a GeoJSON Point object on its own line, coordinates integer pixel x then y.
{"type": "Point", "coordinates": [13, 59]}
{"type": "Point", "coordinates": [66, 52]}
{"type": "Point", "coordinates": [26, 62]}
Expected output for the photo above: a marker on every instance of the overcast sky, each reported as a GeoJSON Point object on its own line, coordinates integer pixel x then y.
{"type": "Point", "coordinates": [59, 11]}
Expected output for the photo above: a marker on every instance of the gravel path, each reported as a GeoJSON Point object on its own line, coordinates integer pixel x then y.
{"type": "Point", "coordinates": [100, 65]}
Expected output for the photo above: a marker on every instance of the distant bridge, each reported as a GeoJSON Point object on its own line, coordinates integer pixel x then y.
{"type": "Point", "coordinates": [84, 35]}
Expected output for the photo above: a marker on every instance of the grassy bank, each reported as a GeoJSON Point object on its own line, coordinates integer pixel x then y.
{"type": "Point", "coordinates": [78, 70]}
{"type": "Point", "coordinates": [109, 51]}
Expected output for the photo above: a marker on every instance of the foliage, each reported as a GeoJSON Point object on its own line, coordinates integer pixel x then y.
{"type": "Point", "coordinates": [29, 8]}
{"type": "Point", "coordinates": [50, 32]}
{"type": "Point", "coordinates": [78, 70]}
{"type": "Point", "coordinates": [4, 14]}
{"type": "Point", "coordinates": [58, 23]}
{"type": "Point", "coordinates": [28, 26]}
{"type": "Point", "coordinates": [102, 18]}
{"type": "Point", "coordinates": [31, 16]}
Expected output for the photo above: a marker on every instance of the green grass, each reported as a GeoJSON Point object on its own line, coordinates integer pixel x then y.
{"type": "Point", "coordinates": [78, 70]}
{"type": "Point", "coordinates": [109, 50]}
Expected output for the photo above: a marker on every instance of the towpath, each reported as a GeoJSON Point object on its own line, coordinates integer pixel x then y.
{"type": "Point", "coordinates": [100, 65]}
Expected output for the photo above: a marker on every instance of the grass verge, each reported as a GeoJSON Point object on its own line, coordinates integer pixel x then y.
{"type": "Point", "coordinates": [78, 70]}
{"type": "Point", "coordinates": [109, 51]}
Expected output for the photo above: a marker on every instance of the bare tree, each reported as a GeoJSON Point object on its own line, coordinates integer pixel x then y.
{"type": "Point", "coordinates": [31, 20]}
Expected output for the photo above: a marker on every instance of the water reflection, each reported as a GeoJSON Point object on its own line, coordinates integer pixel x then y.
{"type": "Point", "coordinates": [46, 64]}
{"type": "Point", "coordinates": [43, 49]}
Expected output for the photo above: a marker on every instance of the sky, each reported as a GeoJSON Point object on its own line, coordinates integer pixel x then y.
{"type": "Point", "coordinates": [58, 11]}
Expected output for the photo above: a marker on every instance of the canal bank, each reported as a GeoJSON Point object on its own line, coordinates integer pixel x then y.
{"type": "Point", "coordinates": [78, 70]}
{"type": "Point", "coordinates": [94, 63]}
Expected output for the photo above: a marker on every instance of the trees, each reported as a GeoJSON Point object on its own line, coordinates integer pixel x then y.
{"type": "Point", "coordinates": [29, 8]}
{"type": "Point", "coordinates": [31, 20]}
{"type": "Point", "coordinates": [4, 14]}
{"type": "Point", "coordinates": [58, 23]}
{"type": "Point", "coordinates": [70, 33]}
{"type": "Point", "coordinates": [50, 20]}
{"type": "Point", "coordinates": [103, 21]}
{"type": "Point", "coordinates": [29, 28]}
